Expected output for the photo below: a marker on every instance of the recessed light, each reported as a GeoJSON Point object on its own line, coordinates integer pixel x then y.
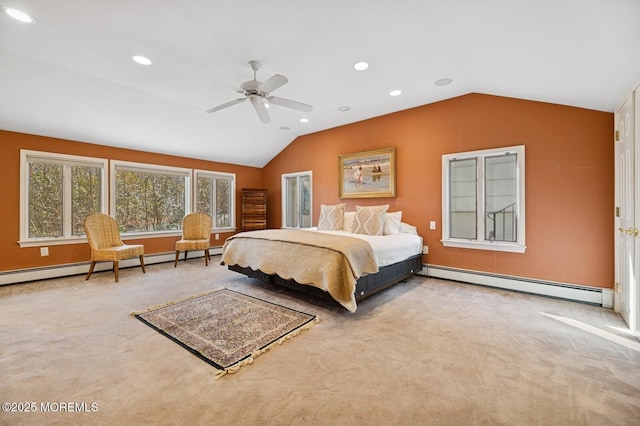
{"type": "Point", "coordinates": [285, 128]}
{"type": "Point", "coordinates": [443, 82]}
{"type": "Point", "coordinates": [395, 93]}
{"type": "Point", "coordinates": [344, 108]}
{"type": "Point", "coordinates": [360, 66]}
{"type": "Point", "coordinates": [142, 60]}
{"type": "Point", "coordinates": [304, 120]}
{"type": "Point", "coordinates": [19, 15]}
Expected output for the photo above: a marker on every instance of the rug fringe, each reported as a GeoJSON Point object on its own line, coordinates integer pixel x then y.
{"type": "Point", "coordinates": [248, 361]}
{"type": "Point", "coordinates": [173, 302]}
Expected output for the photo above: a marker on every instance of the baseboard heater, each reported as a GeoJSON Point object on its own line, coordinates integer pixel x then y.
{"type": "Point", "coordinates": [578, 293]}
{"type": "Point", "coordinates": [56, 271]}
{"type": "Point", "coordinates": [585, 294]}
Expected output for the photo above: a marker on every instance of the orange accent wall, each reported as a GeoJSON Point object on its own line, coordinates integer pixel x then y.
{"type": "Point", "coordinates": [569, 179]}
{"type": "Point", "coordinates": [569, 182]}
{"type": "Point", "coordinates": [12, 257]}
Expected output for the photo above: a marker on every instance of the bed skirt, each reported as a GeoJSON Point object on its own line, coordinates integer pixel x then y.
{"type": "Point", "coordinates": [365, 286]}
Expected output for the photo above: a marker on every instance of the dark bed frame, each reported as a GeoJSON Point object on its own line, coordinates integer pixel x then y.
{"type": "Point", "coordinates": [365, 286]}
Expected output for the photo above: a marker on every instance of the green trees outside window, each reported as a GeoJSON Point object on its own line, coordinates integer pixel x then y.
{"type": "Point", "coordinates": [148, 201]}
{"type": "Point", "coordinates": [60, 196]}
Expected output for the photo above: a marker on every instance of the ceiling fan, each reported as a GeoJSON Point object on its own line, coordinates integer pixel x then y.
{"type": "Point", "coordinates": [259, 94]}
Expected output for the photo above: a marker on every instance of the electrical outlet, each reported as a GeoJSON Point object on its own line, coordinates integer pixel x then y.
{"type": "Point", "coordinates": [217, 236]}
{"type": "Point", "coordinates": [425, 249]}
{"type": "Point", "coordinates": [432, 225]}
{"type": "Point", "coordinates": [44, 251]}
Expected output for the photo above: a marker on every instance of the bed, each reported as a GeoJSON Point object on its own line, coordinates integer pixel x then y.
{"type": "Point", "coordinates": [330, 260]}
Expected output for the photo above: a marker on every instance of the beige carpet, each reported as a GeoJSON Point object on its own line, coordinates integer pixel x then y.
{"type": "Point", "coordinates": [424, 352]}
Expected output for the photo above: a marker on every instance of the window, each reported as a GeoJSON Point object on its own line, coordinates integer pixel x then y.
{"type": "Point", "coordinates": [296, 200]}
{"type": "Point", "coordinates": [56, 193]}
{"type": "Point", "coordinates": [483, 199]}
{"type": "Point", "coordinates": [149, 198]}
{"type": "Point", "coordinates": [214, 195]}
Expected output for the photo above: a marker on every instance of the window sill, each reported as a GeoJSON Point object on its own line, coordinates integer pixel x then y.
{"type": "Point", "coordinates": [485, 245]}
{"type": "Point", "coordinates": [51, 242]}
{"type": "Point", "coordinates": [80, 240]}
{"type": "Point", "coordinates": [41, 242]}
{"type": "Point", "coordinates": [223, 230]}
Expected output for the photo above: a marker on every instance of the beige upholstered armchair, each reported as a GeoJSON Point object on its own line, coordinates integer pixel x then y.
{"type": "Point", "coordinates": [196, 235]}
{"type": "Point", "coordinates": [105, 243]}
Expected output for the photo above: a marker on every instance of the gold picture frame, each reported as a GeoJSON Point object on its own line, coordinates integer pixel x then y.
{"type": "Point", "coordinates": [369, 174]}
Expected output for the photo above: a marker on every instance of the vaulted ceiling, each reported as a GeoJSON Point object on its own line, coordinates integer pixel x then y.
{"type": "Point", "coordinates": [70, 73]}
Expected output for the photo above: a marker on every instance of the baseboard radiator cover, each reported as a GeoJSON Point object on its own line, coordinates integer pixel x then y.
{"type": "Point", "coordinates": [56, 271]}
{"type": "Point", "coordinates": [586, 294]}
{"type": "Point", "coordinates": [577, 293]}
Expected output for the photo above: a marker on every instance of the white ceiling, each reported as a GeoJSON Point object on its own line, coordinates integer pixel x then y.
{"type": "Point", "coordinates": [69, 74]}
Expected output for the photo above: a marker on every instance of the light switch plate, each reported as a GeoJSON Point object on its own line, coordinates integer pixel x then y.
{"type": "Point", "coordinates": [432, 225]}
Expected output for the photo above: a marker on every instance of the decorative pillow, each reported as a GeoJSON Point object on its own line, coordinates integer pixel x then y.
{"type": "Point", "coordinates": [349, 218]}
{"type": "Point", "coordinates": [369, 220]}
{"type": "Point", "coordinates": [392, 223]}
{"type": "Point", "coordinates": [331, 217]}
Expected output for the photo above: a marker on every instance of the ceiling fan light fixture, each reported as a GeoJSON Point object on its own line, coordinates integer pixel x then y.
{"type": "Point", "coordinates": [259, 94]}
{"type": "Point", "coordinates": [395, 93]}
{"type": "Point", "coordinates": [19, 15]}
{"type": "Point", "coordinates": [360, 66]}
{"type": "Point", "coordinates": [142, 60]}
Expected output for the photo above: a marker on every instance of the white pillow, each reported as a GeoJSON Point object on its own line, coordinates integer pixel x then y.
{"type": "Point", "coordinates": [405, 228]}
{"type": "Point", "coordinates": [392, 223]}
{"type": "Point", "coordinates": [349, 219]}
{"type": "Point", "coordinates": [331, 217]}
{"type": "Point", "coordinates": [370, 220]}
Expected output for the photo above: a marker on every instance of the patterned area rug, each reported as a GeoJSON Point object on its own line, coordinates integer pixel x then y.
{"type": "Point", "coordinates": [225, 328]}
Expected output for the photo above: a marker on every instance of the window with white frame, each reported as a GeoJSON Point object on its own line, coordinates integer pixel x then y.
{"type": "Point", "coordinates": [57, 191]}
{"type": "Point", "coordinates": [483, 199]}
{"type": "Point", "coordinates": [149, 198]}
{"type": "Point", "coordinates": [214, 194]}
{"type": "Point", "coordinates": [297, 200]}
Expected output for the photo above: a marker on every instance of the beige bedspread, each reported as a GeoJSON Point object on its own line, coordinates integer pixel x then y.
{"type": "Point", "coordinates": [332, 263]}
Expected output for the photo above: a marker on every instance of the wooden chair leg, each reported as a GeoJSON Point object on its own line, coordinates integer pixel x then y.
{"type": "Point", "coordinates": [115, 269]}
{"type": "Point", "coordinates": [185, 255]}
{"type": "Point", "coordinates": [93, 264]}
{"type": "Point", "coordinates": [142, 263]}
{"type": "Point", "coordinates": [206, 257]}
{"type": "Point", "coordinates": [175, 263]}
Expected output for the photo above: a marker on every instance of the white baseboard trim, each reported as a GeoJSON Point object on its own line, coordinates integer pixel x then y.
{"type": "Point", "coordinates": [578, 293]}
{"type": "Point", "coordinates": [56, 271]}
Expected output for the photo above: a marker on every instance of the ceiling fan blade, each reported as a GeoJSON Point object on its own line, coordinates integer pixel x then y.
{"type": "Point", "coordinates": [290, 104]}
{"type": "Point", "coordinates": [228, 104]}
{"type": "Point", "coordinates": [273, 83]}
{"type": "Point", "coordinates": [261, 110]}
